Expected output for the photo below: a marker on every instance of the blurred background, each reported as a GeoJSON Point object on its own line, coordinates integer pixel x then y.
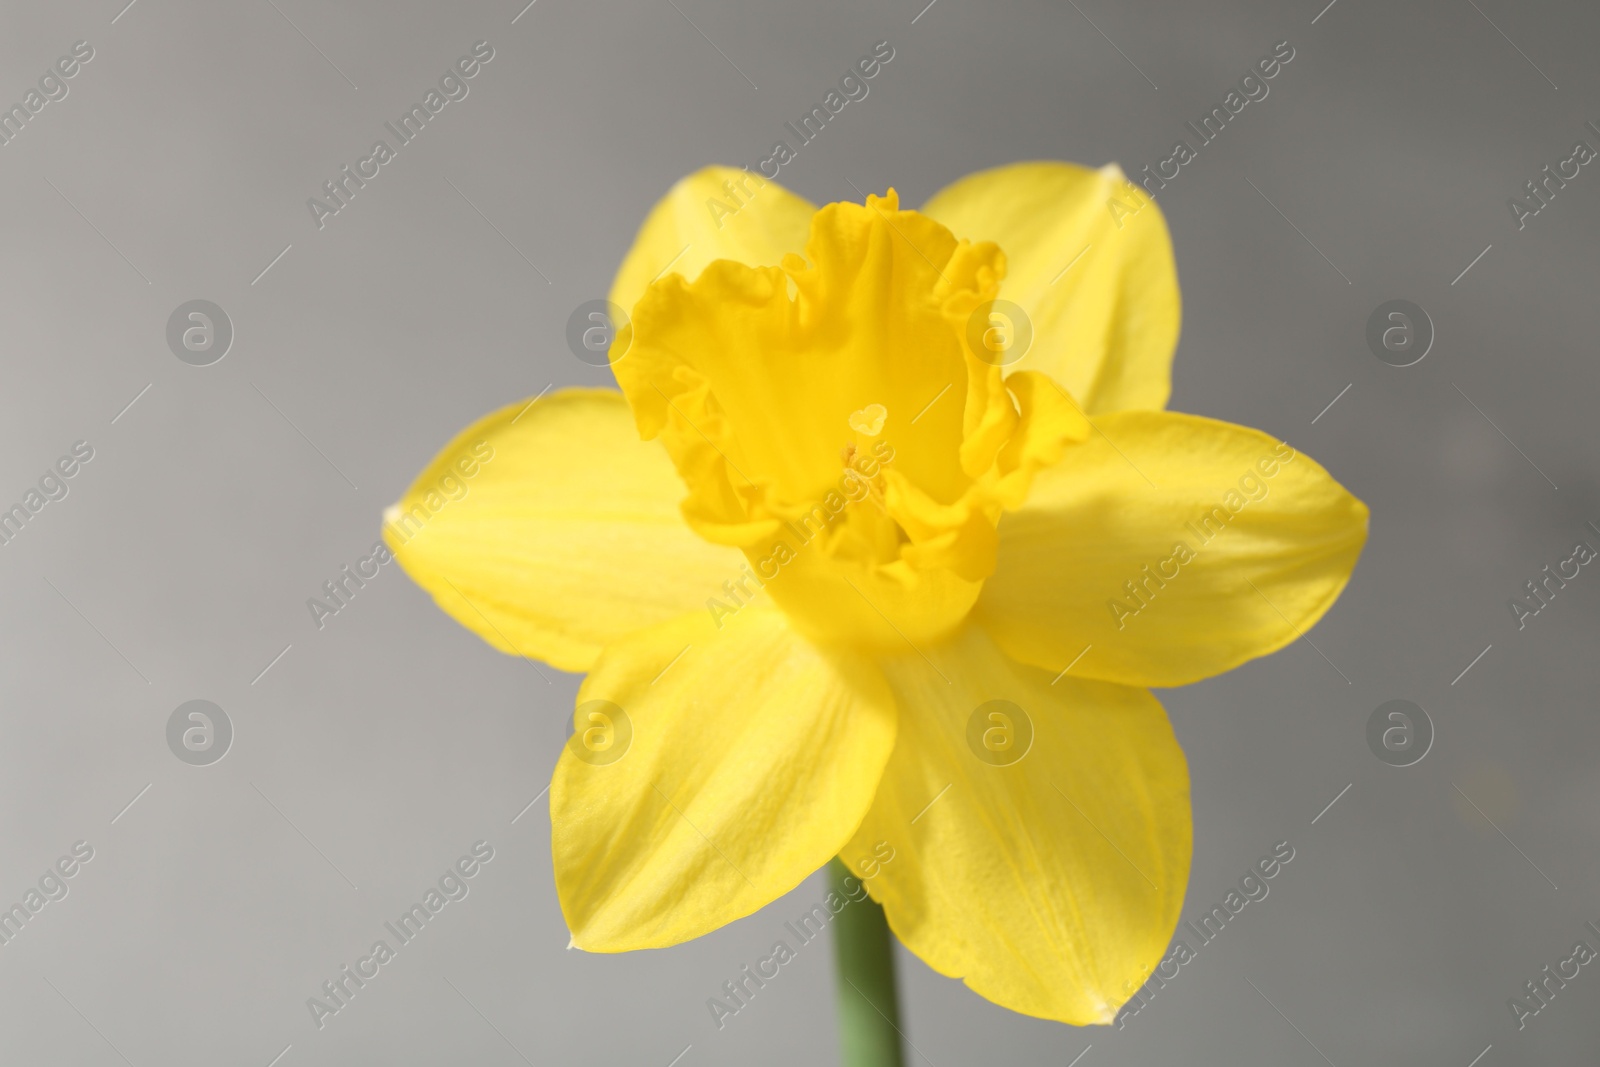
{"type": "Point", "coordinates": [367, 756]}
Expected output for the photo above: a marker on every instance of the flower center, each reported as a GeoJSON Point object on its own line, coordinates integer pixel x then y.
{"type": "Point", "coordinates": [750, 376]}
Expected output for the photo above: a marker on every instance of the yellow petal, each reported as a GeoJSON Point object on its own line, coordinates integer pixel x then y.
{"type": "Point", "coordinates": [1241, 545]}
{"type": "Point", "coordinates": [753, 758]}
{"type": "Point", "coordinates": [564, 536]}
{"type": "Point", "coordinates": [1090, 263]}
{"type": "Point", "coordinates": [1041, 856]}
{"type": "Point", "coordinates": [714, 213]}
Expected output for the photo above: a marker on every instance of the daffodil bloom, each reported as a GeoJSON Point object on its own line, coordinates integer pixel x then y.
{"type": "Point", "coordinates": [821, 529]}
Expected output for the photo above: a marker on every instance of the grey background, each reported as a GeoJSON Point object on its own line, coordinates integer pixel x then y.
{"type": "Point", "coordinates": [392, 739]}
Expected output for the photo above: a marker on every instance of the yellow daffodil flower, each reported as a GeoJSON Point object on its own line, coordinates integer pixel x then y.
{"type": "Point", "coordinates": [823, 528]}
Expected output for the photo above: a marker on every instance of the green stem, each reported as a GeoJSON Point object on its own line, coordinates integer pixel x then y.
{"type": "Point", "coordinates": [863, 950]}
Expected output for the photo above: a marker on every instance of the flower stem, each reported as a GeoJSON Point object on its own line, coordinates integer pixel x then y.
{"type": "Point", "coordinates": [863, 949]}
